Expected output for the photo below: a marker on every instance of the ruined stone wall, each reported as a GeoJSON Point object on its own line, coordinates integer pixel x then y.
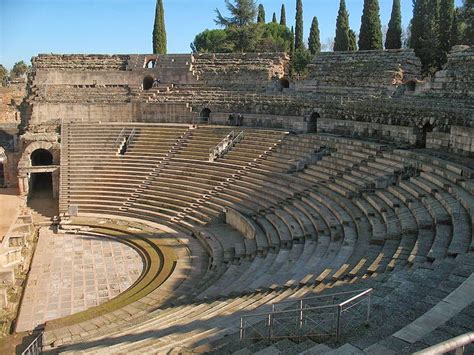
{"type": "Point", "coordinates": [361, 72]}
{"type": "Point", "coordinates": [251, 71]}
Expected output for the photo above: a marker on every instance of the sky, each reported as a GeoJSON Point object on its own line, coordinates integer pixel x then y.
{"type": "Point", "coordinates": [30, 27]}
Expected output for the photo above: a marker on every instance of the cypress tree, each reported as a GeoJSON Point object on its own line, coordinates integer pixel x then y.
{"type": "Point", "coordinates": [394, 33]}
{"type": "Point", "coordinates": [159, 30]}
{"type": "Point", "coordinates": [352, 41]}
{"type": "Point", "coordinates": [370, 36]}
{"type": "Point", "coordinates": [456, 34]}
{"type": "Point", "coordinates": [283, 15]}
{"type": "Point", "coordinates": [468, 17]}
{"type": "Point", "coordinates": [274, 18]}
{"type": "Point", "coordinates": [292, 42]}
{"type": "Point", "coordinates": [314, 41]}
{"type": "Point", "coordinates": [261, 14]}
{"type": "Point", "coordinates": [299, 44]}
{"type": "Point", "coordinates": [424, 33]}
{"type": "Point", "coordinates": [341, 41]}
{"type": "Point", "coordinates": [446, 14]}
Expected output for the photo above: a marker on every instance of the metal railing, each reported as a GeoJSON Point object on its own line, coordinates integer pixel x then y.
{"type": "Point", "coordinates": [120, 138]}
{"type": "Point", "coordinates": [225, 145]}
{"type": "Point", "coordinates": [457, 345]}
{"type": "Point", "coordinates": [321, 316]}
{"type": "Point", "coordinates": [35, 347]}
{"type": "Point", "coordinates": [131, 137]}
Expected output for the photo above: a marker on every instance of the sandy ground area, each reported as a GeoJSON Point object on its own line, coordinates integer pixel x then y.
{"type": "Point", "coordinates": [9, 203]}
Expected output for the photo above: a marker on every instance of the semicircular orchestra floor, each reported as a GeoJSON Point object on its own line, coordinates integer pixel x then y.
{"type": "Point", "coordinates": [72, 272]}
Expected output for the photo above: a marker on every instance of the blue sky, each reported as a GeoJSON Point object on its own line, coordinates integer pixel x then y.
{"type": "Point", "coordinates": [29, 27]}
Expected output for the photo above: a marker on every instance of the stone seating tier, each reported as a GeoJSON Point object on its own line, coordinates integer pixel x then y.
{"type": "Point", "coordinates": [316, 229]}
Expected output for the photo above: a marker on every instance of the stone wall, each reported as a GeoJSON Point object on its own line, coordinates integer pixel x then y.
{"type": "Point", "coordinates": [292, 123]}
{"type": "Point", "coordinates": [397, 134]}
{"type": "Point", "coordinates": [361, 72]}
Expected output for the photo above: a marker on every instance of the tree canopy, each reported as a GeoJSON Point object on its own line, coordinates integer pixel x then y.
{"type": "Point", "coordinates": [19, 69]}
{"type": "Point", "coordinates": [341, 41]}
{"type": "Point", "coordinates": [261, 14]}
{"type": "Point", "coordinates": [370, 35]}
{"type": "Point", "coordinates": [394, 32]}
{"type": "Point", "coordinates": [283, 15]}
{"type": "Point", "coordinates": [299, 25]}
{"type": "Point", "coordinates": [159, 29]}
{"type": "Point", "coordinates": [242, 13]}
{"type": "Point", "coordinates": [314, 41]}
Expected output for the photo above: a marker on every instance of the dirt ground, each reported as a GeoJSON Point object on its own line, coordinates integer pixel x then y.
{"type": "Point", "coordinates": [9, 204]}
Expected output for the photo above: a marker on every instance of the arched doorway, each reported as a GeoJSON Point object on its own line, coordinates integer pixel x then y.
{"type": "Point", "coordinates": [205, 115]}
{"type": "Point", "coordinates": [427, 128]}
{"type": "Point", "coordinates": [148, 82]}
{"type": "Point", "coordinates": [284, 83]}
{"type": "Point", "coordinates": [41, 182]}
{"type": "Point", "coordinates": [313, 123]}
{"type": "Point", "coordinates": [41, 157]}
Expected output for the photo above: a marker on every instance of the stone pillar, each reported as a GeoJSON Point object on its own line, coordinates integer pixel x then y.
{"type": "Point", "coordinates": [55, 176]}
{"type": "Point", "coordinates": [23, 185]}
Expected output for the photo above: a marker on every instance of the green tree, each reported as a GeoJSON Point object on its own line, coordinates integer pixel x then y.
{"type": "Point", "coordinates": [292, 43]}
{"type": "Point", "coordinates": [299, 25]}
{"type": "Point", "coordinates": [370, 35]}
{"type": "Point", "coordinates": [468, 22]}
{"type": "Point", "coordinates": [446, 14]}
{"type": "Point", "coordinates": [341, 41]}
{"type": "Point", "coordinates": [213, 41]}
{"type": "Point", "coordinates": [274, 18]}
{"type": "Point", "coordinates": [352, 41]}
{"type": "Point", "coordinates": [394, 32]}
{"type": "Point", "coordinates": [19, 69]}
{"type": "Point", "coordinates": [3, 74]}
{"type": "Point", "coordinates": [300, 60]}
{"type": "Point", "coordinates": [261, 14]}
{"type": "Point", "coordinates": [456, 32]}
{"type": "Point", "coordinates": [242, 13]}
{"type": "Point", "coordinates": [283, 15]}
{"type": "Point", "coordinates": [274, 37]}
{"type": "Point", "coordinates": [159, 29]}
{"type": "Point", "coordinates": [314, 41]}
{"type": "Point", "coordinates": [424, 33]}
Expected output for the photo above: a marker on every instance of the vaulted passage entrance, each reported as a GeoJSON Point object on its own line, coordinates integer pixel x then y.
{"type": "Point", "coordinates": [313, 123]}
{"type": "Point", "coordinates": [41, 157]}
{"type": "Point", "coordinates": [41, 185]}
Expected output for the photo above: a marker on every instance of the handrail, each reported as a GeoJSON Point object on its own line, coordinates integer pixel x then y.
{"type": "Point", "coordinates": [120, 136]}
{"type": "Point", "coordinates": [321, 296]}
{"type": "Point", "coordinates": [131, 136]}
{"type": "Point", "coordinates": [35, 346]}
{"type": "Point", "coordinates": [225, 145]}
{"type": "Point", "coordinates": [456, 343]}
{"type": "Point", "coordinates": [299, 312]}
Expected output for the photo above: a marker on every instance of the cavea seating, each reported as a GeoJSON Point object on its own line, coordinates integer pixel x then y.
{"type": "Point", "coordinates": [318, 214]}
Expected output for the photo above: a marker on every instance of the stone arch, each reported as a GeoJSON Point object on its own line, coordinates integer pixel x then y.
{"type": "Point", "coordinates": [53, 148]}
{"type": "Point", "coordinates": [148, 82]}
{"type": "Point", "coordinates": [25, 180]}
{"type": "Point", "coordinates": [313, 122]}
{"type": "Point", "coordinates": [150, 64]}
{"type": "Point", "coordinates": [41, 157]}
{"type": "Point", "coordinates": [205, 114]}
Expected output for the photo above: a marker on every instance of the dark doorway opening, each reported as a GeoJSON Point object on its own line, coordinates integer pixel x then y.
{"type": "Point", "coordinates": [284, 83]}
{"type": "Point", "coordinates": [41, 157]}
{"type": "Point", "coordinates": [313, 123]}
{"type": "Point", "coordinates": [148, 82]}
{"type": "Point", "coordinates": [2, 175]}
{"type": "Point", "coordinates": [42, 185]}
{"type": "Point", "coordinates": [427, 128]}
{"type": "Point", "coordinates": [205, 114]}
